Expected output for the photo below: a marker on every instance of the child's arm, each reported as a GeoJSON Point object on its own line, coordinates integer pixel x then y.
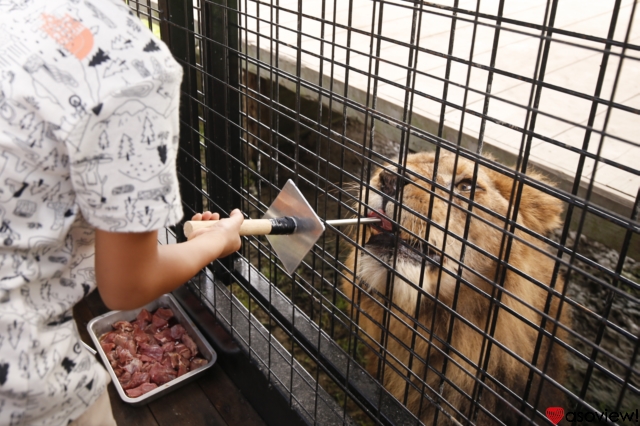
{"type": "Point", "coordinates": [133, 270]}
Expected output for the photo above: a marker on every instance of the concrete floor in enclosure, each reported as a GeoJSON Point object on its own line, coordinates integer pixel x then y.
{"type": "Point", "coordinates": [573, 64]}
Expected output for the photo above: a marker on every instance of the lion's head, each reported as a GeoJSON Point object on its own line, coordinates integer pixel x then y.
{"type": "Point", "coordinates": [446, 271]}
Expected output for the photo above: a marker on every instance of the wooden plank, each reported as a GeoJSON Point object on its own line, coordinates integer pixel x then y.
{"type": "Point", "coordinates": [187, 406]}
{"type": "Point", "coordinates": [228, 400]}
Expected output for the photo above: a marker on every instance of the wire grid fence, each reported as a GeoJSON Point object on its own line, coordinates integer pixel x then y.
{"type": "Point", "coordinates": [479, 299]}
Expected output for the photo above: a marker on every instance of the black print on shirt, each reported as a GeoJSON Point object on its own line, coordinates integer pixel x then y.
{"type": "Point", "coordinates": [99, 58]}
{"type": "Point", "coordinates": [88, 138]}
{"type": "Point", "coordinates": [4, 370]}
{"type": "Point", "coordinates": [151, 46]}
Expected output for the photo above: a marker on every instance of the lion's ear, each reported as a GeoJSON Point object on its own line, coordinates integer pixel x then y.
{"type": "Point", "coordinates": [538, 211]}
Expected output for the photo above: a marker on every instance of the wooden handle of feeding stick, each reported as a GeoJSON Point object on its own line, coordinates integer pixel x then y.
{"type": "Point", "coordinates": [248, 227]}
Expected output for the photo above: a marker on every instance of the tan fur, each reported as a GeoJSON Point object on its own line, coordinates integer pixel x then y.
{"type": "Point", "coordinates": [538, 212]}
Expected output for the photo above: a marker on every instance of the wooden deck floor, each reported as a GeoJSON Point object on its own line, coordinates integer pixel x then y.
{"type": "Point", "coordinates": [213, 399]}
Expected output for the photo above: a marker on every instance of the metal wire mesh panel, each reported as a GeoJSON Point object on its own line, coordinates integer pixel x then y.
{"type": "Point", "coordinates": [497, 143]}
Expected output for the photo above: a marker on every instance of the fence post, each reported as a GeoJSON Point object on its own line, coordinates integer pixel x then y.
{"type": "Point", "coordinates": [177, 31]}
{"type": "Point", "coordinates": [222, 115]}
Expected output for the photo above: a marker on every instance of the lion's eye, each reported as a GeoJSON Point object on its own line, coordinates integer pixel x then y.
{"type": "Point", "coordinates": [465, 185]}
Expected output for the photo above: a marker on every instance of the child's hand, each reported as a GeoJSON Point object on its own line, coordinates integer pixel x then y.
{"type": "Point", "coordinates": [132, 269]}
{"type": "Point", "coordinates": [225, 233]}
{"type": "Point", "coordinates": [207, 216]}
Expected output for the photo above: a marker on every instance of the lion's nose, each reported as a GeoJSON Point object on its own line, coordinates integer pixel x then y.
{"type": "Point", "coordinates": [388, 182]}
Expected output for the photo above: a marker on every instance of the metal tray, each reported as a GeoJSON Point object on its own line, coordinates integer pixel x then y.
{"type": "Point", "coordinates": [102, 324]}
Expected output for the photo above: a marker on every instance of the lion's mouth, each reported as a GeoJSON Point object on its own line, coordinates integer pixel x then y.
{"type": "Point", "coordinates": [384, 238]}
{"type": "Point", "coordinates": [385, 224]}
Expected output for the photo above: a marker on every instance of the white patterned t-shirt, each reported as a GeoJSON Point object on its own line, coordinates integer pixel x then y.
{"type": "Point", "coordinates": [88, 139]}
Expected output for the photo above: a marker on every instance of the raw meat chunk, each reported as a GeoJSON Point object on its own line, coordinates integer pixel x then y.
{"type": "Point", "coordinates": [124, 356]}
{"type": "Point", "coordinates": [163, 336]}
{"type": "Point", "coordinates": [123, 326]}
{"type": "Point", "coordinates": [177, 331]}
{"type": "Point", "coordinates": [184, 351]}
{"type": "Point", "coordinates": [197, 363]}
{"type": "Point", "coordinates": [141, 390]}
{"type": "Point", "coordinates": [134, 366]}
{"type": "Point", "coordinates": [189, 343]}
{"type": "Point", "coordinates": [144, 315]}
{"type": "Point", "coordinates": [174, 358]}
{"type": "Point", "coordinates": [140, 336]}
{"type": "Point", "coordinates": [153, 351]}
{"type": "Point", "coordinates": [107, 347]}
{"type": "Point", "coordinates": [124, 377]}
{"type": "Point", "coordinates": [126, 341]}
{"type": "Point", "coordinates": [146, 359]}
{"type": "Point", "coordinates": [160, 374]}
{"type": "Point", "coordinates": [136, 380]}
{"type": "Point", "coordinates": [169, 347]}
{"type": "Point", "coordinates": [158, 322]}
{"type": "Point", "coordinates": [164, 313]}
{"type": "Point", "coordinates": [108, 337]}
{"type": "Point", "coordinates": [183, 366]}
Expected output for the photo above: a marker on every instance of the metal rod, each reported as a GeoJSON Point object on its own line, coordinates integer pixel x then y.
{"type": "Point", "coordinates": [89, 348]}
{"type": "Point", "coordinates": [355, 221]}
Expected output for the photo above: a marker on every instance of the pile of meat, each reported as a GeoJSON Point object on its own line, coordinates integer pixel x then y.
{"type": "Point", "coordinates": [150, 351]}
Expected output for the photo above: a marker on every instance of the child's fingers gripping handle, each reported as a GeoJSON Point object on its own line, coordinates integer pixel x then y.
{"type": "Point", "coordinates": [248, 227]}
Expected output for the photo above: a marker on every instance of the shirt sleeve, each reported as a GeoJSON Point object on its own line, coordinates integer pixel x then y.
{"type": "Point", "coordinates": [122, 154]}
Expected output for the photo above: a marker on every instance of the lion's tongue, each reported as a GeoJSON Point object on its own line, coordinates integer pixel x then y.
{"type": "Point", "coordinates": [384, 221]}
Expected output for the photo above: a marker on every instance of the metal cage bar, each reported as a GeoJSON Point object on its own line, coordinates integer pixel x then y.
{"type": "Point", "coordinates": [531, 101]}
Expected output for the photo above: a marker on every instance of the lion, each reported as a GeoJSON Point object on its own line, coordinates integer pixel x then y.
{"type": "Point", "coordinates": [425, 285]}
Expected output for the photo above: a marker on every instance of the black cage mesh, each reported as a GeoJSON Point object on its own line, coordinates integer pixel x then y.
{"type": "Point", "coordinates": [502, 279]}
